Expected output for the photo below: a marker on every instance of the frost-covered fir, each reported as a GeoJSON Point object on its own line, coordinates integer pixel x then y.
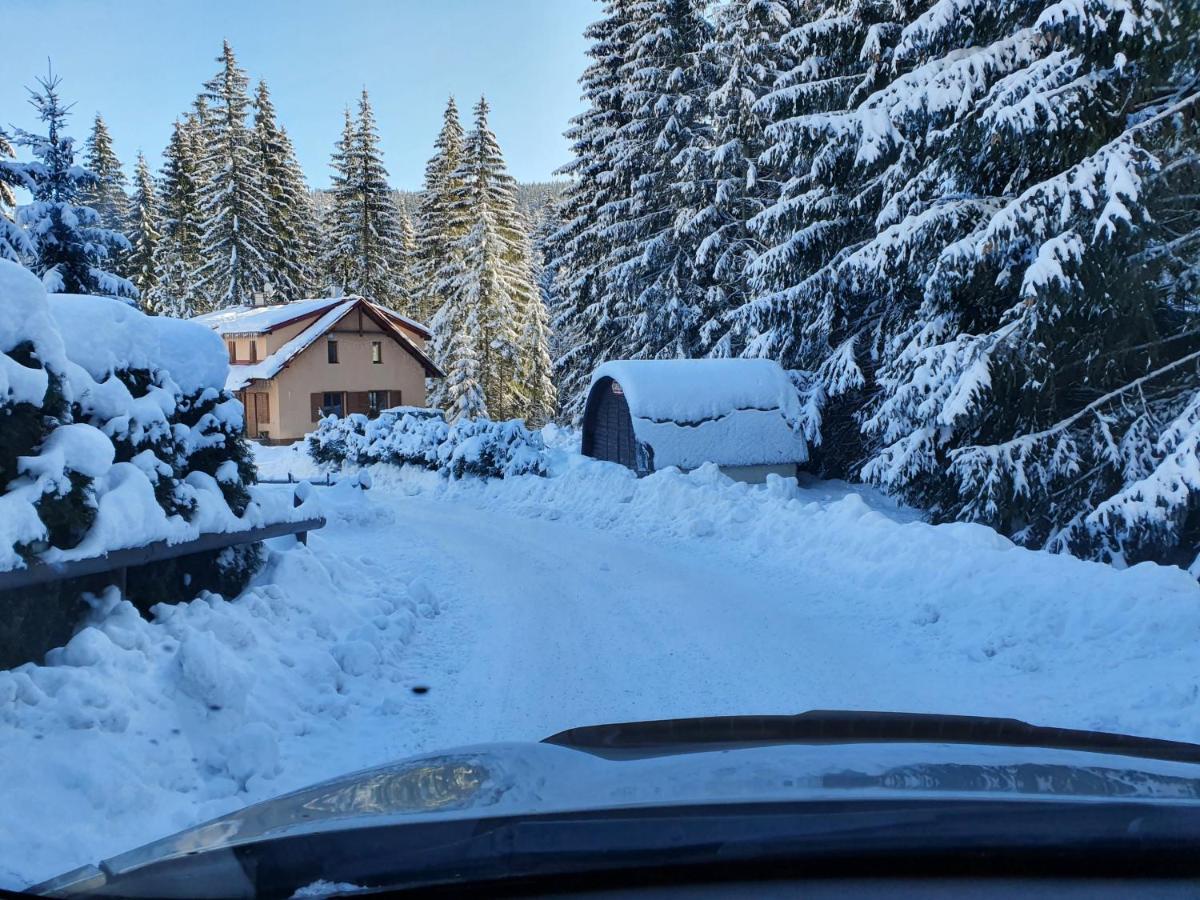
{"type": "Point", "coordinates": [107, 194]}
{"type": "Point", "coordinates": [14, 243]}
{"type": "Point", "coordinates": [235, 237]}
{"type": "Point", "coordinates": [177, 253]}
{"type": "Point", "coordinates": [145, 228]}
{"type": "Point", "coordinates": [577, 251]}
{"type": "Point", "coordinates": [291, 220]}
{"type": "Point", "coordinates": [436, 235]}
{"type": "Point", "coordinates": [363, 237]}
{"type": "Point", "coordinates": [64, 242]}
{"type": "Point", "coordinates": [491, 316]}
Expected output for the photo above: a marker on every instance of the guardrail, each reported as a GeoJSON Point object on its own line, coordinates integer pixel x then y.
{"type": "Point", "coordinates": [118, 561]}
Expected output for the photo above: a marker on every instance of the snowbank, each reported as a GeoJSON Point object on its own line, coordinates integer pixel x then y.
{"type": "Point", "coordinates": [732, 412]}
{"type": "Point", "coordinates": [104, 335]}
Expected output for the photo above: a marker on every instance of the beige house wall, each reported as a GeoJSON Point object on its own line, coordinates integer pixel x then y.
{"type": "Point", "coordinates": [290, 392]}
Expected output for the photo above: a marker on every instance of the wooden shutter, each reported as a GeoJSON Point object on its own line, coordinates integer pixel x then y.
{"type": "Point", "coordinates": [356, 402]}
{"type": "Point", "coordinates": [263, 407]}
{"type": "Point", "coordinates": [394, 398]}
{"type": "Point", "coordinates": [315, 401]}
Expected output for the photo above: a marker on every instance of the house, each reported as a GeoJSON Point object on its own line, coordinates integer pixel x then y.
{"type": "Point", "coordinates": [742, 414]}
{"type": "Point", "coordinates": [292, 363]}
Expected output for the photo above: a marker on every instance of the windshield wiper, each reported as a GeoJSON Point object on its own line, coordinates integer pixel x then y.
{"type": "Point", "coordinates": [841, 726]}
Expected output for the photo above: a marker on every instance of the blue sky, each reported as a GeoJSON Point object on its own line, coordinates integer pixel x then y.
{"type": "Point", "coordinates": [141, 62]}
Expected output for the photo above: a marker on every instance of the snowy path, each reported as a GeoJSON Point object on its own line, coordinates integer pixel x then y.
{"type": "Point", "coordinates": [537, 604]}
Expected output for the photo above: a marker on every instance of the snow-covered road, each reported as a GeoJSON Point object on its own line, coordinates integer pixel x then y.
{"type": "Point", "coordinates": [536, 604]}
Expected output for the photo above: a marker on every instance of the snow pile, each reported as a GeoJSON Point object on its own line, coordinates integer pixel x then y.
{"type": "Point", "coordinates": [118, 433]}
{"type": "Point", "coordinates": [732, 412]}
{"type": "Point", "coordinates": [410, 435]}
{"type": "Point", "coordinates": [138, 728]}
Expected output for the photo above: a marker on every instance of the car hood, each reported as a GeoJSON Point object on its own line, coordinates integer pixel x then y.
{"type": "Point", "coordinates": [534, 778]}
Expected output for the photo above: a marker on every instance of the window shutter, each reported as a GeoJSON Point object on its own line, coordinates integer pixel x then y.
{"type": "Point", "coordinates": [264, 407]}
{"type": "Point", "coordinates": [356, 402]}
{"type": "Point", "coordinates": [314, 401]}
{"type": "Point", "coordinates": [395, 398]}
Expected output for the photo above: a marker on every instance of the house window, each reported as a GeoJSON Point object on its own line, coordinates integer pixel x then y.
{"type": "Point", "coordinates": [377, 352]}
{"type": "Point", "coordinates": [331, 350]}
{"type": "Point", "coordinates": [232, 348]}
{"type": "Point", "coordinates": [254, 351]}
{"type": "Point", "coordinates": [375, 402]}
{"type": "Point", "coordinates": [331, 403]}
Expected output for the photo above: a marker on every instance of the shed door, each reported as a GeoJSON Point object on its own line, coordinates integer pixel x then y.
{"type": "Point", "coordinates": [614, 428]}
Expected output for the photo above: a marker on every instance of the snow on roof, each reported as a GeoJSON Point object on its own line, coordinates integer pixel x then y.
{"type": "Point", "coordinates": [240, 376]}
{"type": "Point", "coordinates": [261, 319]}
{"type": "Point", "coordinates": [411, 323]}
{"type": "Point", "coordinates": [103, 334]}
{"type": "Point", "coordinates": [732, 412]}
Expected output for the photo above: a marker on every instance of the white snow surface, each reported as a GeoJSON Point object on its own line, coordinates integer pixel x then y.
{"type": "Point", "coordinates": [732, 412]}
{"type": "Point", "coordinates": [103, 334]}
{"type": "Point", "coordinates": [260, 319]}
{"type": "Point", "coordinates": [530, 605]}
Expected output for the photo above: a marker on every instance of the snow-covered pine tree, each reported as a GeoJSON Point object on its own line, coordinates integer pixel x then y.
{"type": "Point", "coordinates": [656, 296]}
{"type": "Point", "coordinates": [70, 250]}
{"type": "Point", "coordinates": [363, 245]}
{"type": "Point", "coordinates": [146, 229]}
{"type": "Point", "coordinates": [535, 371]}
{"type": "Point", "coordinates": [235, 241]}
{"type": "Point", "coordinates": [577, 251]}
{"type": "Point", "coordinates": [340, 224]}
{"type": "Point", "coordinates": [177, 255]}
{"type": "Point", "coordinates": [488, 284]}
{"type": "Point", "coordinates": [406, 283]}
{"type": "Point", "coordinates": [107, 193]}
{"type": "Point", "coordinates": [435, 236]}
{"type": "Point", "coordinates": [379, 249]}
{"type": "Point", "coordinates": [747, 53]}
{"type": "Point", "coordinates": [994, 267]}
{"type": "Point", "coordinates": [291, 220]}
{"type": "Point", "coordinates": [14, 243]}
{"type": "Point", "coordinates": [796, 312]}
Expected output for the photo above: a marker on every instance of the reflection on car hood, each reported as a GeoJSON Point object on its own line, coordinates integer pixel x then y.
{"type": "Point", "coordinates": [516, 778]}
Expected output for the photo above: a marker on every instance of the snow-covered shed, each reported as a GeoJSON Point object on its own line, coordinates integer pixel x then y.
{"type": "Point", "coordinates": [742, 414]}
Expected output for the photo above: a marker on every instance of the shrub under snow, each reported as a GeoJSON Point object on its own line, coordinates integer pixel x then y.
{"type": "Point", "coordinates": [115, 431]}
{"type": "Point", "coordinates": [421, 437]}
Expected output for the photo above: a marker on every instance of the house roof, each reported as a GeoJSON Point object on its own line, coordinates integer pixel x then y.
{"type": "Point", "coordinates": [732, 412]}
{"type": "Point", "coordinates": [265, 319]}
{"type": "Point", "coordinates": [325, 318]}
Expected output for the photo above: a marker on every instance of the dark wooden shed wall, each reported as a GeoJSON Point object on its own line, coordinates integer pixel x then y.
{"type": "Point", "coordinates": [608, 427]}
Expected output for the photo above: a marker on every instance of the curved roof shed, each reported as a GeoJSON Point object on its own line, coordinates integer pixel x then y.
{"type": "Point", "coordinates": [742, 414]}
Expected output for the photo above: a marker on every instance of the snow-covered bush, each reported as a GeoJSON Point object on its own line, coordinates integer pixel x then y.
{"type": "Point", "coordinates": [420, 437]}
{"type": "Point", "coordinates": [491, 449]}
{"type": "Point", "coordinates": [115, 431]}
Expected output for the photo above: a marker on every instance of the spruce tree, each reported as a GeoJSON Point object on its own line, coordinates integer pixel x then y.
{"type": "Point", "coordinates": [655, 292]}
{"type": "Point", "coordinates": [107, 193]}
{"type": "Point", "coordinates": [747, 50]}
{"type": "Point", "coordinates": [146, 228]}
{"type": "Point", "coordinates": [235, 242]}
{"type": "Point", "coordinates": [489, 288]}
{"type": "Point", "coordinates": [406, 282]}
{"type": "Point", "coordinates": [363, 251]}
{"type": "Point", "coordinates": [379, 243]}
{"type": "Point", "coordinates": [291, 221]}
{"type": "Point", "coordinates": [177, 254]}
{"type": "Point", "coordinates": [14, 243]}
{"type": "Point", "coordinates": [68, 246]}
{"type": "Point", "coordinates": [436, 236]}
{"type": "Point", "coordinates": [579, 248]}
{"type": "Point", "coordinates": [340, 227]}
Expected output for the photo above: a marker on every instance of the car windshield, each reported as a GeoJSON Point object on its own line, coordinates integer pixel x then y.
{"type": "Point", "coordinates": [379, 380]}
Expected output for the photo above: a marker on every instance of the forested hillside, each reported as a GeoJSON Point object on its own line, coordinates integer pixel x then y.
{"type": "Point", "coordinates": [971, 227]}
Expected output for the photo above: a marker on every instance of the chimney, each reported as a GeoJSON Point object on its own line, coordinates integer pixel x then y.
{"type": "Point", "coordinates": [259, 299]}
